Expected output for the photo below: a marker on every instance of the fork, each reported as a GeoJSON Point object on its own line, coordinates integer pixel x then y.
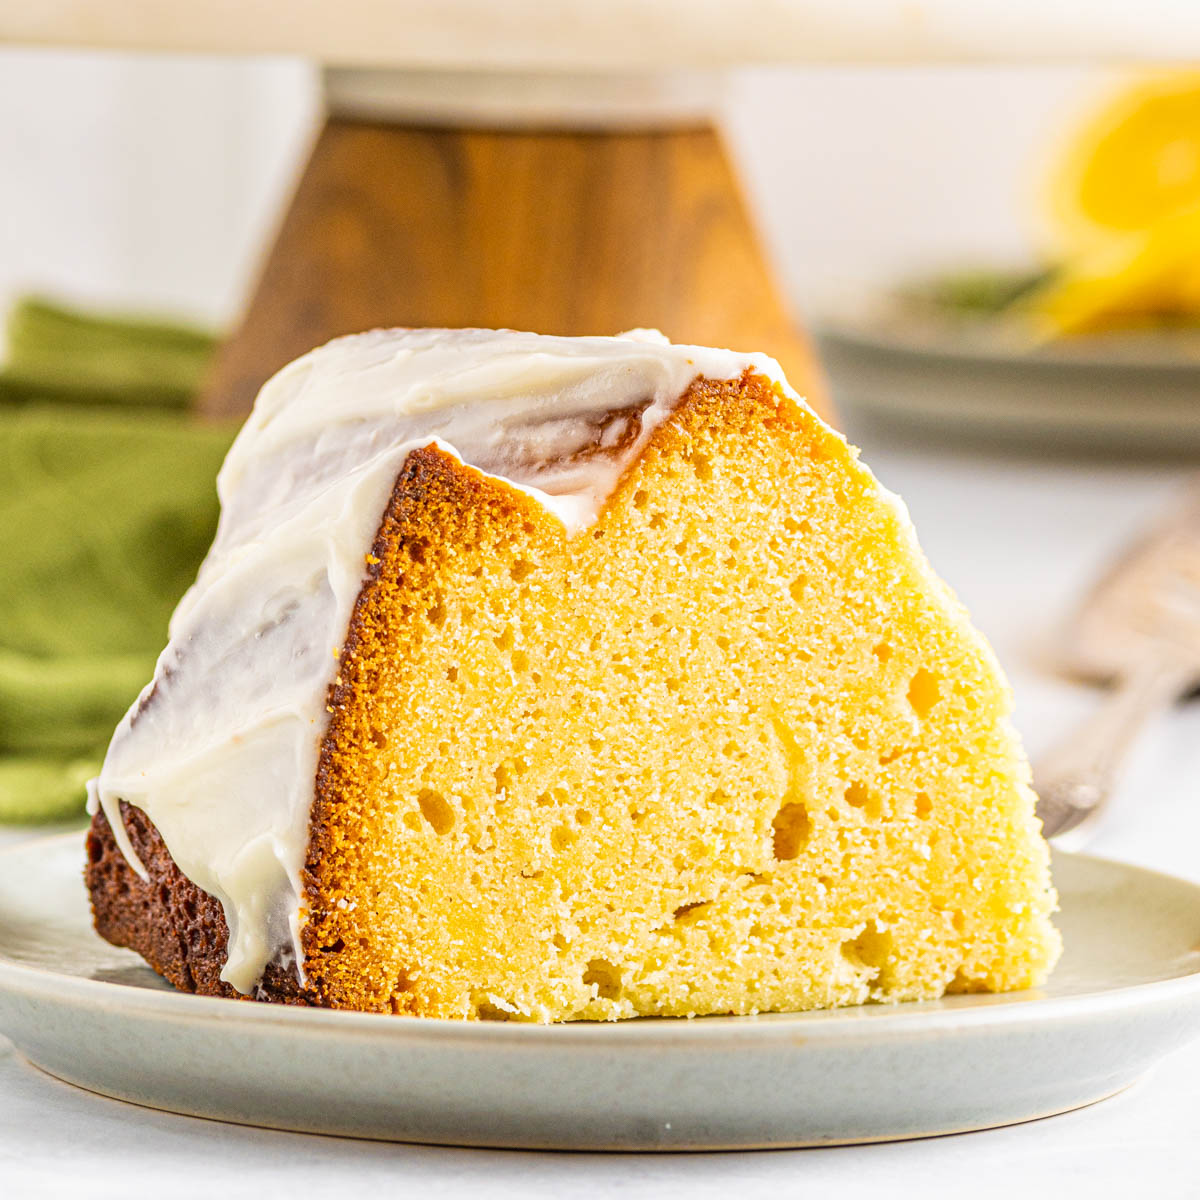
{"type": "Point", "coordinates": [1141, 625]}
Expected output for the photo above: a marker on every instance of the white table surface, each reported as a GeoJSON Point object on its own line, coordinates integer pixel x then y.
{"type": "Point", "coordinates": [1017, 536]}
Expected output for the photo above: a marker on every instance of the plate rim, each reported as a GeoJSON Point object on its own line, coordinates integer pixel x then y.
{"type": "Point", "coordinates": [849, 1023]}
{"type": "Point", "coordinates": [867, 331]}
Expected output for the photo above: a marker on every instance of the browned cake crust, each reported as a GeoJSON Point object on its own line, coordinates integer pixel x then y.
{"type": "Point", "coordinates": [178, 928]}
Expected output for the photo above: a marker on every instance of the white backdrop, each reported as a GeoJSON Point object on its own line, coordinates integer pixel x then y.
{"type": "Point", "coordinates": [151, 181]}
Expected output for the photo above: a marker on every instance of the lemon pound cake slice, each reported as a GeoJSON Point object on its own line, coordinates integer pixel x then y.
{"type": "Point", "coordinates": [551, 678]}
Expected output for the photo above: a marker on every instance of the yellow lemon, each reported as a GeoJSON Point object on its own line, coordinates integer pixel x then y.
{"type": "Point", "coordinates": [1134, 164]}
{"type": "Point", "coordinates": [1131, 278]}
{"type": "Point", "coordinates": [1124, 204]}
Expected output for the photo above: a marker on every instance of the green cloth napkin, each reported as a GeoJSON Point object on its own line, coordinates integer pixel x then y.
{"type": "Point", "coordinates": [105, 514]}
{"type": "Point", "coordinates": [59, 355]}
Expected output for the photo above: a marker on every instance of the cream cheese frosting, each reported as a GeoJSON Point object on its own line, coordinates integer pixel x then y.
{"type": "Point", "coordinates": [221, 749]}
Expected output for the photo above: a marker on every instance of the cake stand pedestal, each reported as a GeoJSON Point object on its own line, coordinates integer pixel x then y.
{"type": "Point", "coordinates": [545, 203]}
{"type": "Point", "coordinates": [474, 210]}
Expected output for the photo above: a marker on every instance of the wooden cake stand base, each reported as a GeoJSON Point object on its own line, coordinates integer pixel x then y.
{"type": "Point", "coordinates": [556, 232]}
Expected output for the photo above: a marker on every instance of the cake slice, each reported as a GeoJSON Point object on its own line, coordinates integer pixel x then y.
{"type": "Point", "coordinates": [554, 678]}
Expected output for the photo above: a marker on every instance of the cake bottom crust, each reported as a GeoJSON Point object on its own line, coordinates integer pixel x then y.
{"type": "Point", "coordinates": [178, 928]}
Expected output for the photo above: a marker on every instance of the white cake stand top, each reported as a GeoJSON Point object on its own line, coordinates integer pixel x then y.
{"type": "Point", "coordinates": [621, 35]}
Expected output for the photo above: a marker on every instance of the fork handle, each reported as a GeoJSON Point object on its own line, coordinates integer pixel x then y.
{"type": "Point", "coordinates": [1075, 778]}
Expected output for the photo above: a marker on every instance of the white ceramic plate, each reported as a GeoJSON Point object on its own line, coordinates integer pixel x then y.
{"type": "Point", "coordinates": [1126, 992]}
{"type": "Point", "coordinates": [976, 377]}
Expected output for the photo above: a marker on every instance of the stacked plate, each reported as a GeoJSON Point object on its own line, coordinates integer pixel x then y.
{"type": "Point", "coordinates": [1125, 391]}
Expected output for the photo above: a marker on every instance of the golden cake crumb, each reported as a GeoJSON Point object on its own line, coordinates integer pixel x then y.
{"type": "Point", "coordinates": [731, 749]}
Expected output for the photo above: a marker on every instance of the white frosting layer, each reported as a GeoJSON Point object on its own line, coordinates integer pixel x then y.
{"type": "Point", "coordinates": [221, 749]}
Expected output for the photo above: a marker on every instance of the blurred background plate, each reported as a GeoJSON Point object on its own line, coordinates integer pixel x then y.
{"type": "Point", "coordinates": [1127, 391]}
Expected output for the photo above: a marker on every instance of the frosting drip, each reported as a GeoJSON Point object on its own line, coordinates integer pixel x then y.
{"type": "Point", "coordinates": [221, 749]}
